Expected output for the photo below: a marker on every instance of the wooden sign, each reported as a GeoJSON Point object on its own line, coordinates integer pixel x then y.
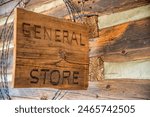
{"type": "Point", "coordinates": [49, 52]}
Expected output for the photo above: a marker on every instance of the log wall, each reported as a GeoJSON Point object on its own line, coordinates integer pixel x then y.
{"type": "Point", "coordinates": [118, 41]}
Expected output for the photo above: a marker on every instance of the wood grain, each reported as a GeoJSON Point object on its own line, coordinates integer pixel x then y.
{"type": "Point", "coordinates": [125, 42]}
{"type": "Point", "coordinates": [39, 6]}
{"type": "Point", "coordinates": [105, 89]}
{"type": "Point", "coordinates": [90, 6]}
{"type": "Point", "coordinates": [49, 52]}
{"type": "Point", "coordinates": [110, 6]}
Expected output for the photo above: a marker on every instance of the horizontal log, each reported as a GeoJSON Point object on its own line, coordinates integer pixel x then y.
{"type": "Point", "coordinates": [110, 6]}
{"type": "Point", "coordinates": [10, 4]}
{"type": "Point", "coordinates": [57, 8]}
{"type": "Point", "coordinates": [105, 89]}
{"type": "Point", "coordinates": [46, 8]}
{"type": "Point", "coordinates": [125, 42]}
{"type": "Point", "coordinates": [113, 19]}
{"type": "Point", "coordinates": [96, 6]}
{"type": "Point", "coordinates": [137, 54]}
{"type": "Point", "coordinates": [33, 5]}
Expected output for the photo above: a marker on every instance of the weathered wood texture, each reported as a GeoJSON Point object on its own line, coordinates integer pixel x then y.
{"type": "Point", "coordinates": [49, 52]}
{"type": "Point", "coordinates": [110, 6]}
{"type": "Point", "coordinates": [33, 5]}
{"type": "Point", "coordinates": [114, 19]}
{"type": "Point", "coordinates": [90, 6]}
{"type": "Point", "coordinates": [125, 42]}
{"type": "Point", "coordinates": [105, 89]}
{"type": "Point", "coordinates": [9, 5]}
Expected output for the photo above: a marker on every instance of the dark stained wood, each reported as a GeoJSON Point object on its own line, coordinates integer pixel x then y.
{"type": "Point", "coordinates": [105, 89]}
{"type": "Point", "coordinates": [49, 52]}
{"type": "Point", "coordinates": [125, 42]}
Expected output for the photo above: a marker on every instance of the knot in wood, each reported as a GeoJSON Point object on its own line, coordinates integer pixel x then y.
{"type": "Point", "coordinates": [62, 54]}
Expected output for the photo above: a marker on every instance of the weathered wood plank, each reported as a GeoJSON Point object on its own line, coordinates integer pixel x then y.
{"type": "Point", "coordinates": [91, 6]}
{"type": "Point", "coordinates": [33, 5]}
{"type": "Point", "coordinates": [10, 61]}
{"type": "Point", "coordinates": [105, 89]}
{"type": "Point", "coordinates": [57, 8]}
{"type": "Point", "coordinates": [110, 6]}
{"type": "Point", "coordinates": [129, 41]}
{"type": "Point", "coordinates": [46, 8]}
{"type": "Point", "coordinates": [46, 45]}
{"type": "Point", "coordinates": [113, 19]}
{"type": "Point", "coordinates": [10, 4]}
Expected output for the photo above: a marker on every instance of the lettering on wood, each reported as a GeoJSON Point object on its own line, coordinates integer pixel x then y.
{"type": "Point", "coordinates": [49, 52]}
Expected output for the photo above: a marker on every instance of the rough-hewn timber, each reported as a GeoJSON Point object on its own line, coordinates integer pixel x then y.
{"type": "Point", "coordinates": [91, 6]}
{"type": "Point", "coordinates": [125, 42]}
{"type": "Point", "coordinates": [105, 89]}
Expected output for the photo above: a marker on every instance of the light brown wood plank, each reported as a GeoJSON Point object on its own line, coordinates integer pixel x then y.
{"type": "Point", "coordinates": [49, 52]}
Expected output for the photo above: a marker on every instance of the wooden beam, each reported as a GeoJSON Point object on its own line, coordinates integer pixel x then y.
{"type": "Point", "coordinates": [57, 8]}
{"type": "Point", "coordinates": [47, 5]}
{"type": "Point", "coordinates": [124, 16]}
{"type": "Point", "coordinates": [110, 6]}
{"type": "Point", "coordinates": [105, 89]}
{"type": "Point", "coordinates": [125, 42]}
{"type": "Point", "coordinates": [90, 6]}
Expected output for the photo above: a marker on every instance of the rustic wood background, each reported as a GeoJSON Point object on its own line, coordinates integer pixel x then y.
{"type": "Point", "coordinates": [118, 41]}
